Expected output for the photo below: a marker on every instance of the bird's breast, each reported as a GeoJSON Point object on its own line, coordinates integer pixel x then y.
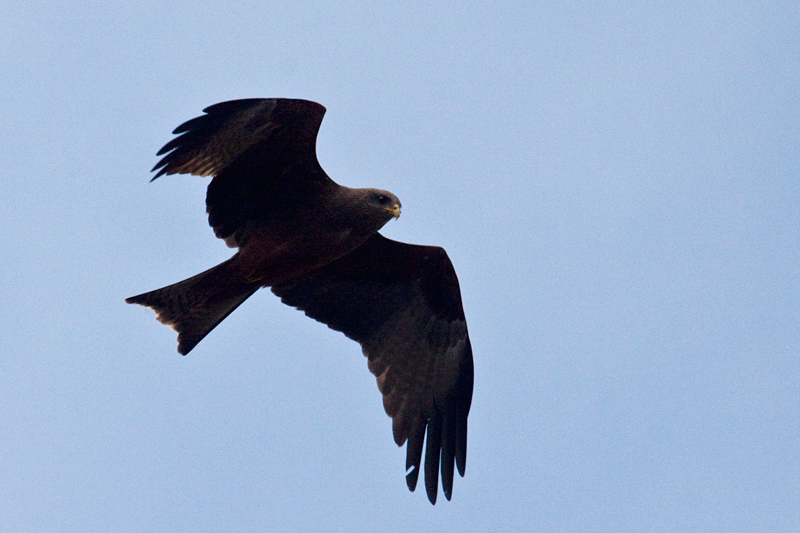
{"type": "Point", "coordinates": [271, 259]}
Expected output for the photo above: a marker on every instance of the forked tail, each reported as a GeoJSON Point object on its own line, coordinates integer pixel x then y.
{"type": "Point", "coordinates": [194, 306]}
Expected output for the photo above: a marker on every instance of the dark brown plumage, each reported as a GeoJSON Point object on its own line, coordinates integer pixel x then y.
{"type": "Point", "coordinates": [316, 244]}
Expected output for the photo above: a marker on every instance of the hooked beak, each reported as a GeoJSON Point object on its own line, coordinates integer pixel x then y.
{"type": "Point", "coordinates": [394, 210]}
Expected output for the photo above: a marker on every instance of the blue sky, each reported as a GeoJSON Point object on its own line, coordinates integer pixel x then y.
{"type": "Point", "coordinates": [616, 185]}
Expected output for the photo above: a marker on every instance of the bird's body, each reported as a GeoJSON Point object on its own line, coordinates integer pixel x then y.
{"type": "Point", "coordinates": [316, 244]}
{"type": "Point", "coordinates": [297, 243]}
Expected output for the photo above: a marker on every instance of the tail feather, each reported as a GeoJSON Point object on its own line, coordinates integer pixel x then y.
{"type": "Point", "coordinates": [194, 306]}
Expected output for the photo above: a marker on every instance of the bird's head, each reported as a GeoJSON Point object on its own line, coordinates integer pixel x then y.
{"type": "Point", "coordinates": [388, 202]}
{"type": "Point", "coordinates": [370, 209]}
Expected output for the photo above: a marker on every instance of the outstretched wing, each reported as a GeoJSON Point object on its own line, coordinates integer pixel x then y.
{"type": "Point", "coordinates": [402, 303]}
{"type": "Point", "coordinates": [262, 154]}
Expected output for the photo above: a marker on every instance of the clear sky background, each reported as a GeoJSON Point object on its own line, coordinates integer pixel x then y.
{"type": "Point", "coordinates": [616, 184]}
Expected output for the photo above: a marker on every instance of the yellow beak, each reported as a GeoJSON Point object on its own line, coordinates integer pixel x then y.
{"type": "Point", "coordinates": [394, 210]}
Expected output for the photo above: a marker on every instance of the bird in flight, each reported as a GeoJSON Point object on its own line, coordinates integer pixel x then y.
{"type": "Point", "coordinates": [316, 245]}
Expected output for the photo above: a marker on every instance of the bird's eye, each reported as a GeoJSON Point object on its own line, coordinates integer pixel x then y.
{"type": "Point", "coordinates": [383, 199]}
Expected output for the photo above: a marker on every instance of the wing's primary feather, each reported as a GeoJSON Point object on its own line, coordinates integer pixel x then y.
{"type": "Point", "coordinates": [402, 303]}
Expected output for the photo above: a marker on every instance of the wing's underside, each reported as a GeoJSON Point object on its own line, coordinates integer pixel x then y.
{"type": "Point", "coordinates": [402, 304]}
